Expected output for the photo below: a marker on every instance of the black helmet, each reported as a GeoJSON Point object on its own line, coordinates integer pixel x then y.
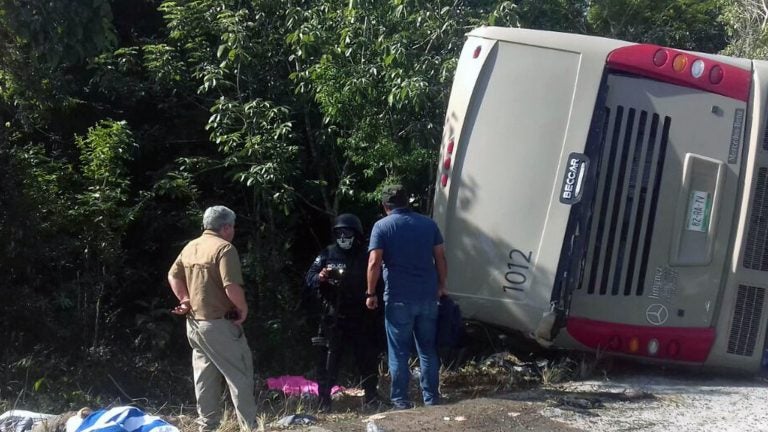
{"type": "Point", "coordinates": [348, 220]}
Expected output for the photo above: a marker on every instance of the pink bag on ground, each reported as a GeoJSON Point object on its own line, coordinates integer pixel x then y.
{"type": "Point", "coordinates": [296, 385]}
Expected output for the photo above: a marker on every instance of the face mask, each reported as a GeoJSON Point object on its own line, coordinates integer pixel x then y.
{"type": "Point", "coordinates": [345, 242]}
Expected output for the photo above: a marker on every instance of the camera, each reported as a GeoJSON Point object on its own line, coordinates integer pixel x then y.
{"type": "Point", "coordinates": [335, 273]}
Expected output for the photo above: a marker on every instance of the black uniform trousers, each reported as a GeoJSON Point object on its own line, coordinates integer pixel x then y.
{"type": "Point", "coordinates": [358, 335]}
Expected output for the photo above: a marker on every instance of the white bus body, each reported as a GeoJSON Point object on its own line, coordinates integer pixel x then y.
{"type": "Point", "coordinates": [602, 195]}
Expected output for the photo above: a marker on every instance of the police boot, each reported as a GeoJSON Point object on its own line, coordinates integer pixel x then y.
{"type": "Point", "coordinates": [325, 405]}
{"type": "Point", "coordinates": [325, 399]}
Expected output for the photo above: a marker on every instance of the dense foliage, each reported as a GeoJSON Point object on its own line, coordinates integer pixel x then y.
{"type": "Point", "coordinates": [121, 120]}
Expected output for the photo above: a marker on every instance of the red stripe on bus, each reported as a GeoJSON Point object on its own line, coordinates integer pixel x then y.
{"type": "Point", "coordinates": [689, 344]}
{"type": "Point", "coordinates": [649, 61]}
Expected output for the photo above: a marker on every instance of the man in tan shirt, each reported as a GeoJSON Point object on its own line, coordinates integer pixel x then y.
{"type": "Point", "coordinates": [207, 279]}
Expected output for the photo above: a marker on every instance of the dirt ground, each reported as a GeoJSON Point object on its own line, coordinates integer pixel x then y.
{"type": "Point", "coordinates": [644, 399]}
{"type": "Point", "coordinates": [489, 414]}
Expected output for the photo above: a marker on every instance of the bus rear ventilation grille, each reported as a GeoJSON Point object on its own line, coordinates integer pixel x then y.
{"type": "Point", "coordinates": [629, 174]}
{"type": "Point", "coordinates": [756, 249]}
{"type": "Point", "coordinates": [746, 320]}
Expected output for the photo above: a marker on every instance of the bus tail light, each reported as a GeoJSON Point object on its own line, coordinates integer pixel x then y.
{"type": "Point", "coordinates": [697, 68]}
{"type": "Point", "coordinates": [447, 161]}
{"type": "Point", "coordinates": [653, 61]}
{"type": "Point", "coordinates": [716, 74]}
{"type": "Point", "coordinates": [653, 347]}
{"type": "Point", "coordinates": [690, 344]}
{"type": "Point", "coordinates": [679, 63]}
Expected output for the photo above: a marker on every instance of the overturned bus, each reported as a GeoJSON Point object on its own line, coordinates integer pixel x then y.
{"type": "Point", "coordinates": [596, 194]}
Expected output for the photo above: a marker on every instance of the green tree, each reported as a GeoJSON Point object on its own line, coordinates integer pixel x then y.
{"type": "Point", "coordinates": [44, 46]}
{"type": "Point", "coordinates": [103, 210]}
{"type": "Point", "coordinates": [685, 24]}
{"type": "Point", "coordinates": [747, 24]}
{"type": "Point", "coordinates": [557, 15]}
{"type": "Point", "coordinates": [379, 74]}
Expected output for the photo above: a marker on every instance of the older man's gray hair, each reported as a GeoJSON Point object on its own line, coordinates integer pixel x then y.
{"type": "Point", "coordinates": [216, 217]}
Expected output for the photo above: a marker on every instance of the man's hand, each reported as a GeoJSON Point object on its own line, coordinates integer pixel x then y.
{"type": "Point", "coordinates": [179, 287]}
{"type": "Point", "coordinates": [182, 309]}
{"type": "Point", "coordinates": [372, 302]}
{"type": "Point", "coordinates": [237, 297]}
{"type": "Point", "coordinates": [323, 275]}
{"type": "Point", "coordinates": [241, 316]}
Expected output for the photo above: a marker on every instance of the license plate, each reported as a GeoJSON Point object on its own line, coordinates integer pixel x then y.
{"type": "Point", "coordinates": [699, 209]}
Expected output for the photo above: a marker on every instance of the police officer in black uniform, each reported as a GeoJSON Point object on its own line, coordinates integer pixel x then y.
{"type": "Point", "coordinates": [338, 278]}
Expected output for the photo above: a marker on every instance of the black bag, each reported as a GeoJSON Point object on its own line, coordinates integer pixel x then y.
{"type": "Point", "coordinates": [449, 323]}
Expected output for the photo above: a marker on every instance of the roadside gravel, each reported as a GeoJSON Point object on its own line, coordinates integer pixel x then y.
{"type": "Point", "coordinates": [680, 404]}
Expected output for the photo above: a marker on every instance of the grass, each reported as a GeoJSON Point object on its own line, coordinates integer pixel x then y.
{"type": "Point", "coordinates": [473, 379]}
{"type": "Point", "coordinates": [45, 388]}
{"type": "Point", "coordinates": [557, 372]}
{"type": "Point", "coordinates": [501, 372]}
{"type": "Point", "coordinates": [498, 373]}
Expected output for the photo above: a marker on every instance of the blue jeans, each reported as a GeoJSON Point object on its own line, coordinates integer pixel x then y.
{"type": "Point", "coordinates": [406, 321]}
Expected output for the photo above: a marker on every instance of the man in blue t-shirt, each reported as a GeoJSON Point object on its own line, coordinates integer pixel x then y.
{"type": "Point", "coordinates": [410, 247]}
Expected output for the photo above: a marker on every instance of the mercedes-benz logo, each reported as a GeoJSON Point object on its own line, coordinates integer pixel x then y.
{"type": "Point", "coordinates": [657, 314]}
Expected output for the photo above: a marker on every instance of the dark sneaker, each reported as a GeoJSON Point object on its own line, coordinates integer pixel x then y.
{"type": "Point", "coordinates": [401, 405]}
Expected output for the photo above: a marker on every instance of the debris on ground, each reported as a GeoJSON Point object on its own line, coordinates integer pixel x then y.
{"type": "Point", "coordinates": [579, 403]}
{"type": "Point", "coordinates": [296, 419]}
{"type": "Point", "coordinates": [21, 420]}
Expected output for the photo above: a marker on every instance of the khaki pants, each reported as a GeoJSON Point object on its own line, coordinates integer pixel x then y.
{"type": "Point", "coordinates": [220, 352]}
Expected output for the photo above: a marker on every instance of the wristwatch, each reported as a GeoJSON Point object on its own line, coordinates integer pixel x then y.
{"type": "Point", "coordinates": [370, 295]}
